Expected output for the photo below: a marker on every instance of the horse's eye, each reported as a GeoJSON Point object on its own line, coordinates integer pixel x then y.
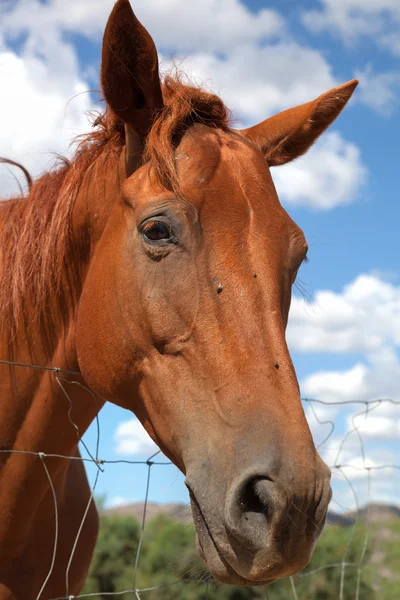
{"type": "Point", "coordinates": [156, 230]}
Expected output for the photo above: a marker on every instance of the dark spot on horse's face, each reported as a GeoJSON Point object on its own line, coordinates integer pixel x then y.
{"type": "Point", "coordinates": [233, 144]}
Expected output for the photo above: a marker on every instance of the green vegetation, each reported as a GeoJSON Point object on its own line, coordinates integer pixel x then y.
{"type": "Point", "coordinates": [168, 555]}
{"type": "Point", "coordinates": [383, 572]}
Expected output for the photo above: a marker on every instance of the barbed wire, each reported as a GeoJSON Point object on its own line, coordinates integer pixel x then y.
{"type": "Point", "coordinates": [369, 406]}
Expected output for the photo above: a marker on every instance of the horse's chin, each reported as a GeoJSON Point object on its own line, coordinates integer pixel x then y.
{"type": "Point", "coordinates": [208, 550]}
{"type": "Point", "coordinates": [221, 570]}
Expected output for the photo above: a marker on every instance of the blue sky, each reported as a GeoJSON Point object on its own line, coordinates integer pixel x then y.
{"type": "Point", "coordinates": [262, 57]}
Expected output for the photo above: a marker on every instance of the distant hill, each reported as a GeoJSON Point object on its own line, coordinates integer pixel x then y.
{"type": "Point", "coordinates": [342, 519]}
{"type": "Point", "coordinates": [179, 512]}
{"type": "Point", "coordinates": [377, 513]}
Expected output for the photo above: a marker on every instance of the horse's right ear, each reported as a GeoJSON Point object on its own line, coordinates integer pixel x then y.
{"type": "Point", "coordinates": [129, 76]}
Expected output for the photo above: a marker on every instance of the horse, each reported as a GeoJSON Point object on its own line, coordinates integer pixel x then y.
{"type": "Point", "coordinates": [155, 270]}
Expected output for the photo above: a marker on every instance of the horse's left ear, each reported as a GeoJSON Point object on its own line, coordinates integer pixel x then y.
{"type": "Point", "coordinates": [290, 134]}
{"type": "Point", "coordinates": [130, 78]}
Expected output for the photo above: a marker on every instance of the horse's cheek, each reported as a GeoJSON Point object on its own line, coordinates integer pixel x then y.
{"type": "Point", "coordinates": [101, 338]}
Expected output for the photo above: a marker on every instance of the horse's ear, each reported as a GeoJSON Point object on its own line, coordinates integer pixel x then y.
{"type": "Point", "coordinates": [129, 76]}
{"type": "Point", "coordinates": [290, 134]}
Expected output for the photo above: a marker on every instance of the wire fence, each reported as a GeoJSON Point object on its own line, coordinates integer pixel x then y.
{"type": "Point", "coordinates": [335, 454]}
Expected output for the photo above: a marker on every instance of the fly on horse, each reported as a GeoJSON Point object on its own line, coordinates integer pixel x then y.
{"type": "Point", "coordinates": [155, 269]}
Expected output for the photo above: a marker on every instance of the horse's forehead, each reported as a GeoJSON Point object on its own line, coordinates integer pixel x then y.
{"type": "Point", "coordinates": [243, 182]}
{"type": "Point", "coordinates": [198, 156]}
{"type": "Point", "coordinates": [201, 152]}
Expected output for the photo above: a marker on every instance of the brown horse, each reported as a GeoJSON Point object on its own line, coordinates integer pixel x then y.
{"type": "Point", "coordinates": [156, 269]}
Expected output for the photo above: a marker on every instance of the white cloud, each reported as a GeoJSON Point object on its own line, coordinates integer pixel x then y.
{"type": "Point", "coordinates": [379, 91]}
{"type": "Point", "coordinates": [256, 82]}
{"type": "Point", "coordinates": [358, 467]}
{"type": "Point", "coordinates": [364, 317]}
{"type": "Point", "coordinates": [132, 439]}
{"type": "Point", "coordinates": [391, 41]}
{"type": "Point", "coordinates": [380, 428]}
{"type": "Point", "coordinates": [331, 174]}
{"type": "Point", "coordinates": [363, 468]}
{"type": "Point", "coordinates": [212, 25]}
{"type": "Point", "coordinates": [361, 472]}
{"type": "Point", "coordinates": [116, 501]}
{"type": "Point", "coordinates": [367, 422]}
{"type": "Point", "coordinates": [377, 379]}
{"type": "Point", "coordinates": [353, 452]}
{"type": "Point", "coordinates": [353, 19]}
{"type": "Point", "coordinates": [38, 114]}
{"type": "Point", "coordinates": [382, 422]}
{"type": "Point", "coordinates": [336, 386]}
{"type": "Point", "coordinates": [372, 20]}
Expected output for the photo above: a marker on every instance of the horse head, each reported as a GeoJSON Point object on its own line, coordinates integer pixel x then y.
{"type": "Point", "coordinates": [184, 307]}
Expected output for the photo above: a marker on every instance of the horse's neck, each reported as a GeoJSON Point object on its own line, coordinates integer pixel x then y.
{"type": "Point", "coordinates": [46, 410]}
{"type": "Point", "coordinates": [47, 339]}
{"type": "Point", "coordinates": [42, 413]}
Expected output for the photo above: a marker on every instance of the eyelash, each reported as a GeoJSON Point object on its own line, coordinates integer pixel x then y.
{"type": "Point", "coordinates": [305, 260]}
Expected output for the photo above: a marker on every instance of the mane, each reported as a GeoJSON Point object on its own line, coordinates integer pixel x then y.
{"type": "Point", "coordinates": [184, 105]}
{"type": "Point", "coordinates": [36, 252]}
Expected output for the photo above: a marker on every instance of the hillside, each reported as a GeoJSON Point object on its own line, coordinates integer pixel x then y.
{"type": "Point", "coordinates": [181, 513]}
{"type": "Point", "coordinates": [376, 513]}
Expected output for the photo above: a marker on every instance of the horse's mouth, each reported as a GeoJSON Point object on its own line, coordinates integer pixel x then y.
{"type": "Point", "coordinates": [204, 538]}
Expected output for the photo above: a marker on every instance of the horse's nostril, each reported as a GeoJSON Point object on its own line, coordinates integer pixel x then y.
{"type": "Point", "coordinates": [255, 496]}
{"type": "Point", "coordinates": [251, 504]}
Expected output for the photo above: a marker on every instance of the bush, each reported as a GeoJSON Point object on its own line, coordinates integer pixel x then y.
{"type": "Point", "coordinates": [168, 555]}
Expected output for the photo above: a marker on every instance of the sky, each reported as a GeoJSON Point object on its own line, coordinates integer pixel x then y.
{"type": "Point", "coordinates": [261, 57]}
